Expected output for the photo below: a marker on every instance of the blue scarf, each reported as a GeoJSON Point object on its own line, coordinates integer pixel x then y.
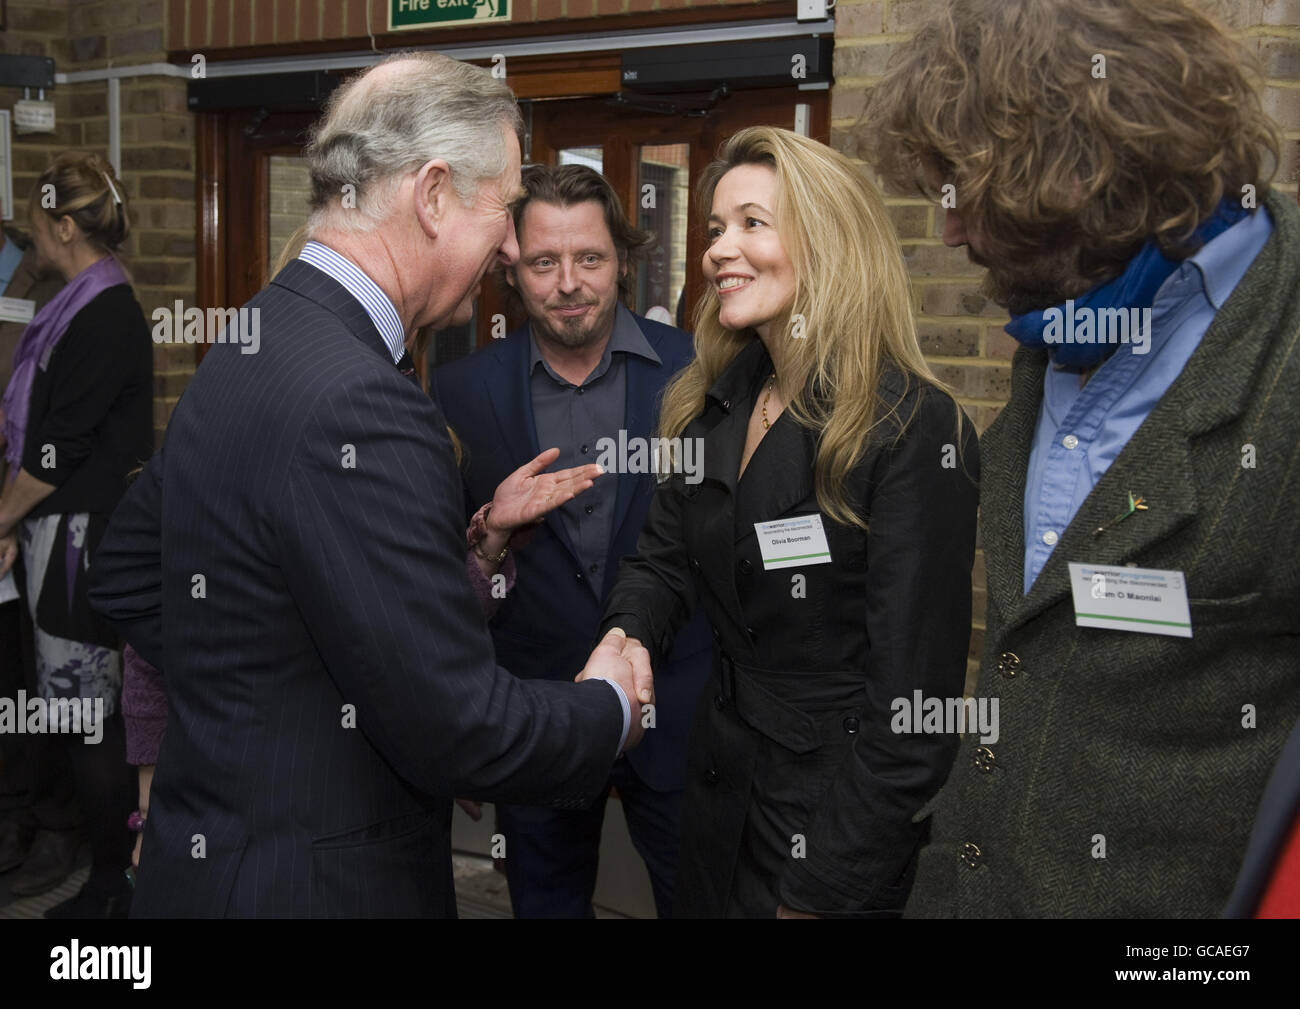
{"type": "Point", "coordinates": [1136, 288]}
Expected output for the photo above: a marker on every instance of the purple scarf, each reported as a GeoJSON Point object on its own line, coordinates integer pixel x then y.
{"type": "Point", "coordinates": [38, 341]}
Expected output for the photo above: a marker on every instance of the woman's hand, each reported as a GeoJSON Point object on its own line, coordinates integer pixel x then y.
{"type": "Point", "coordinates": [528, 494]}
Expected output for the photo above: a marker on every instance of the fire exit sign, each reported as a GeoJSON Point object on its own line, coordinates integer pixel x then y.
{"type": "Point", "coordinates": [404, 14]}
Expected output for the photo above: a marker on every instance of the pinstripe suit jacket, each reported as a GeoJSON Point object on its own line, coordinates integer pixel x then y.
{"type": "Point", "coordinates": [293, 560]}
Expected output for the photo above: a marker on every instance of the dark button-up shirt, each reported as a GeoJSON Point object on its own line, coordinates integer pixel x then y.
{"type": "Point", "coordinates": [574, 418]}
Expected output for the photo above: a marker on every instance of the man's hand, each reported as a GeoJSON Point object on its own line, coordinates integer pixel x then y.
{"type": "Point", "coordinates": [624, 661]}
{"type": "Point", "coordinates": [528, 494]}
{"type": "Point", "coordinates": [8, 552]}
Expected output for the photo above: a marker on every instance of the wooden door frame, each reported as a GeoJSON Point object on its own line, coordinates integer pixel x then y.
{"type": "Point", "coordinates": [229, 273]}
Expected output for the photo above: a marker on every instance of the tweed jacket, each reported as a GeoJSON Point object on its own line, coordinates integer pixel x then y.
{"type": "Point", "coordinates": [1128, 766]}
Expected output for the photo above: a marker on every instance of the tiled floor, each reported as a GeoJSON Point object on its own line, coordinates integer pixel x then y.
{"type": "Point", "coordinates": [35, 907]}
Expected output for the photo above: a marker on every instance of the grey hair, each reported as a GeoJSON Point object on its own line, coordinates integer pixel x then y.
{"type": "Point", "coordinates": [374, 133]}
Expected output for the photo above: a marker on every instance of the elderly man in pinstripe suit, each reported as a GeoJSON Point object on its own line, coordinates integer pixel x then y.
{"type": "Point", "coordinates": [294, 558]}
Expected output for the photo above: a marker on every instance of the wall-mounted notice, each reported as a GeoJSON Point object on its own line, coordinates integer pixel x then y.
{"type": "Point", "coordinates": [407, 14]}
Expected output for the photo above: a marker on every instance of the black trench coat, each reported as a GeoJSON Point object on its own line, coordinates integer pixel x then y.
{"type": "Point", "coordinates": [798, 791]}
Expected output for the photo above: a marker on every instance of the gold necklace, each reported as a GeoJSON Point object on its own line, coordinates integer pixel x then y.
{"type": "Point", "coordinates": [771, 382]}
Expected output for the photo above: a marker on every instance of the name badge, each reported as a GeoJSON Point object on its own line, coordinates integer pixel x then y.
{"type": "Point", "coordinates": [17, 310]}
{"type": "Point", "coordinates": [1131, 599]}
{"type": "Point", "coordinates": [792, 543]}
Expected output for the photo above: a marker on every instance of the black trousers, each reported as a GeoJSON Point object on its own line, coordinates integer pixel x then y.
{"type": "Point", "coordinates": [552, 855]}
{"type": "Point", "coordinates": [60, 781]}
{"type": "Point", "coordinates": [15, 787]}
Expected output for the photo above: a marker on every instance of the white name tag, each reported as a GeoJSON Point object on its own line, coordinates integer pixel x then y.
{"type": "Point", "coordinates": [17, 310]}
{"type": "Point", "coordinates": [792, 543]}
{"type": "Point", "coordinates": [1131, 599]}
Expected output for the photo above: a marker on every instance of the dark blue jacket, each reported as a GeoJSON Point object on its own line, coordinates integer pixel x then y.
{"type": "Point", "coordinates": [546, 626]}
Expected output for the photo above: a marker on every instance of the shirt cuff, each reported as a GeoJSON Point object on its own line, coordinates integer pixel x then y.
{"type": "Point", "coordinates": [627, 713]}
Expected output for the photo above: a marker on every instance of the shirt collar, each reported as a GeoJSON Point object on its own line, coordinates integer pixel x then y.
{"type": "Point", "coordinates": [1222, 262]}
{"type": "Point", "coordinates": [627, 337]}
{"type": "Point", "coordinates": [372, 298]}
{"type": "Point", "coordinates": [737, 377]}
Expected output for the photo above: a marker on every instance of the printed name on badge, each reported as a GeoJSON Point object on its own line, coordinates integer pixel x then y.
{"type": "Point", "coordinates": [17, 310]}
{"type": "Point", "coordinates": [1145, 600]}
{"type": "Point", "coordinates": [792, 543]}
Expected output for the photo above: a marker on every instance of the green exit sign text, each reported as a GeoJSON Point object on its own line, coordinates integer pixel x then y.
{"type": "Point", "coordinates": [406, 14]}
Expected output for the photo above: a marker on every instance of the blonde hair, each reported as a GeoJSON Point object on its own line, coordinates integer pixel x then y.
{"type": "Point", "coordinates": [293, 246]}
{"type": "Point", "coordinates": [84, 187]}
{"type": "Point", "coordinates": [852, 303]}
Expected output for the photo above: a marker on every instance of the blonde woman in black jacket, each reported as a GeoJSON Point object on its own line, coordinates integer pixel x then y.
{"type": "Point", "coordinates": [829, 537]}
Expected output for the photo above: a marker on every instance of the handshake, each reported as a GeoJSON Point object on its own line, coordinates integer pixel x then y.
{"type": "Point", "coordinates": [624, 661]}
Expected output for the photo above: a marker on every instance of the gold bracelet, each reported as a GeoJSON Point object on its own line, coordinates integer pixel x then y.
{"type": "Point", "coordinates": [492, 560]}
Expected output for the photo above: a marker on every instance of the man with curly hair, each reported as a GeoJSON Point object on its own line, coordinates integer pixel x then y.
{"type": "Point", "coordinates": [1109, 164]}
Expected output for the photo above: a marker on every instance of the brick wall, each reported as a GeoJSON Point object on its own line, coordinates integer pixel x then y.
{"type": "Point", "coordinates": [157, 166]}
{"type": "Point", "coordinates": [961, 331]}
{"type": "Point", "coordinates": [289, 197]}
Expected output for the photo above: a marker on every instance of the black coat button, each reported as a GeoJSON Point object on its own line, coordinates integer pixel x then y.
{"type": "Point", "coordinates": [746, 567]}
{"type": "Point", "coordinates": [578, 575]}
{"type": "Point", "coordinates": [712, 776]}
{"type": "Point", "coordinates": [753, 634]}
{"type": "Point", "coordinates": [851, 725]}
{"type": "Point", "coordinates": [1009, 665]}
{"type": "Point", "coordinates": [971, 855]}
{"type": "Point", "coordinates": [695, 565]}
{"type": "Point", "coordinates": [719, 702]}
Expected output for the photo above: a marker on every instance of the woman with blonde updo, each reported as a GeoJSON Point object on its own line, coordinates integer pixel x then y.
{"type": "Point", "coordinates": [78, 417]}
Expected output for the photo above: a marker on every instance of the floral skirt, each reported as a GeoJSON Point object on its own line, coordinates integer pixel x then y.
{"type": "Point", "coordinates": [77, 654]}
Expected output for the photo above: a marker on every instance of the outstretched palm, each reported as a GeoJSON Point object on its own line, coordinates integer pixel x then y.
{"type": "Point", "coordinates": [527, 494]}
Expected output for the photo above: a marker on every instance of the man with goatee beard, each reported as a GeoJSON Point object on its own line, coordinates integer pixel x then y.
{"type": "Point", "coordinates": [583, 373]}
